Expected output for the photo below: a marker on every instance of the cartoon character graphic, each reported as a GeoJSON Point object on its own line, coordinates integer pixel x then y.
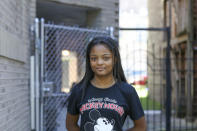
{"type": "Point", "coordinates": [99, 123]}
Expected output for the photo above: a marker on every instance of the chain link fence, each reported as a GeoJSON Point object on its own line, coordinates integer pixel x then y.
{"type": "Point", "coordinates": [64, 64]}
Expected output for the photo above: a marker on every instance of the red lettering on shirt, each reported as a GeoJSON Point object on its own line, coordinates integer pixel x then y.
{"type": "Point", "coordinates": [101, 105]}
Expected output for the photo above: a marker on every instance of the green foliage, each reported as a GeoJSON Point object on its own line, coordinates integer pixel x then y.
{"type": "Point", "coordinates": [149, 104]}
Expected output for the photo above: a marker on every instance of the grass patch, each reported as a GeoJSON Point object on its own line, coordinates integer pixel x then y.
{"type": "Point", "coordinates": [149, 104]}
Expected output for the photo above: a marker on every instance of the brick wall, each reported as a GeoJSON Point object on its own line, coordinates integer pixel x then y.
{"type": "Point", "coordinates": [16, 16]}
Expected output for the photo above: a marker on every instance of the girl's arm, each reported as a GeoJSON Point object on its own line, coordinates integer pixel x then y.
{"type": "Point", "coordinates": [139, 125]}
{"type": "Point", "coordinates": [71, 122]}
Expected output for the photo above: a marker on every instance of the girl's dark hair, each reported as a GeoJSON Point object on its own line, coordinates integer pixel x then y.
{"type": "Point", "coordinates": [112, 45]}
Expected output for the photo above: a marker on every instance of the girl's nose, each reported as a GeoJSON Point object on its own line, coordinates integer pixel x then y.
{"type": "Point", "coordinates": [100, 61]}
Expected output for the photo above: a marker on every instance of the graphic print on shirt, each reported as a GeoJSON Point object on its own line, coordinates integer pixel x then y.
{"type": "Point", "coordinates": [102, 103]}
{"type": "Point", "coordinates": [98, 123]}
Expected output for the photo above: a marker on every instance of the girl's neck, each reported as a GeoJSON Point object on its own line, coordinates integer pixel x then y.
{"type": "Point", "coordinates": [103, 82]}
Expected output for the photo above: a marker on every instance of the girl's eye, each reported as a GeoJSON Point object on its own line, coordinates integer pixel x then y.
{"type": "Point", "coordinates": [92, 58]}
{"type": "Point", "coordinates": [106, 58]}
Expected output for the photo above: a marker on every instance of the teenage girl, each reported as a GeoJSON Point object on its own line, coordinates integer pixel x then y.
{"type": "Point", "coordinates": [103, 98]}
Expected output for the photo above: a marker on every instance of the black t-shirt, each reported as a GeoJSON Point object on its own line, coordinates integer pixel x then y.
{"type": "Point", "coordinates": [105, 109]}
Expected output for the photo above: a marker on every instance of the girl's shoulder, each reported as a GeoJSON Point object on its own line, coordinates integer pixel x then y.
{"type": "Point", "coordinates": [75, 93]}
{"type": "Point", "coordinates": [126, 87]}
{"type": "Point", "coordinates": [125, 84]}
{"type": "Point", "coordinates": [77, 88]}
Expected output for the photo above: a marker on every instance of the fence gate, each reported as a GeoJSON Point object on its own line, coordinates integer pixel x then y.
{"type": "Point", "coordinates": [157, 73]}
{"type": "Point", "coordinates": [59, 63]}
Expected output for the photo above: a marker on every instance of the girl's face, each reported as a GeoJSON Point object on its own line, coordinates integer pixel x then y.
{"type": "Point", "coordinates": [101, 60]}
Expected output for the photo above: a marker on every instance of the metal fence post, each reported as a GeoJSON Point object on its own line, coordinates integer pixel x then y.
{"type": "Point", "coordinates": [168, 83]}
{"type": "Point", "coordinates": [189, 60]}
{"type": "Point", "coordinates": [32, 91]}
{"type": "Point", "coordinates": [42, 73]}
{"type": "Point", "coordinates": [168, 73]}
{"type": "Point", "coordinates": [37, 75]}
{"type": "Point", "coordinates": [110, 30]}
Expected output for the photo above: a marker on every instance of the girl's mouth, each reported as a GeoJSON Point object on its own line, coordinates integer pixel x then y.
{"type": "Point", "coordinates": [100, 69]}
